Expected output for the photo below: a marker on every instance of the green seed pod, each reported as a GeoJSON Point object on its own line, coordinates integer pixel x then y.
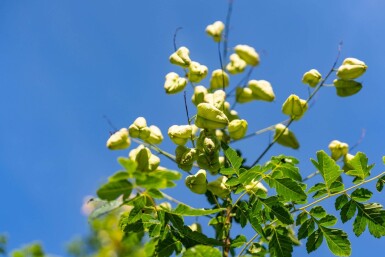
{"type": "Point", "coordinates": [236, 64]}
{"type": "Point", "coordinates": [217, 99]}
{"type": "Point", "coordinates": [156, 136]}
{"type": "Point", "coordinates": [312, 77]}
{"type": "Point", "coordinates": [219, 188]}
{"type": "Point", "coordinates": [219, 79]}
{"type": "Point", "coordinates": [222, 135]}
{"type": "Point", "coordinates": [210, 117]}
{"type": "Point", "coordinates": [215, 30]}
{"type": "Point", "coordinates": [347, 87]}
{"type": "Point", "coordinates": [165, 205]}
{"type": "Point", "coordinates": [351, 68]}
{"type": "Point", "coordinates": [347, 158]}
{"type": "Point", "coordinates": [244, 95]}
{"type": "Point", "coordinates": [196, 227]}
{"type": "Point", "coordinates": [248, 54]}
{"type": "Point", "coordinates": [256, 188]}
{"type": "Point", "coordinates": [181, 57]}
{"type": "Point", "coordinates": [294, 107]}
{"type": "Point", "coordinates": [197, 183]}
{"type": "Point", "coordinates": [231, 114]}
{"type": "Point", "coordinates": [262, 90]}
{"type": "Point", "coordinates": [180, 134]}
{"type": "Point", "coordinates": [145, 159]}
{"type": "Point", "coordinates": [207, 142]}
{"type": "Point", "coordinates": [197, 72]}
{"type": "Point", "coordinates": [119, 140]}
{"type": "Point", "coordinates": [185, 157]}
{"type": "Point", "coordinates": [199, 95]}
{"type": "Point", "coordinates": [139, 129]}
{"type": "Point", "coordinates": [287, 139]}
{"type": "Point", "coordinates": [338, 149]}
{"type": "Point", "coordinates": [209, 162]}
{"type": "Point", "coordinates": [237, 129]}
{"type": "Point", "coordinates": [174, 84]}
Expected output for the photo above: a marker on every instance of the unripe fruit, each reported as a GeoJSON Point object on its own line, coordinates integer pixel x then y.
{"type": "Point", "coordinates": [197, 183]}
{"type": "Point", "coordinates": [244, 95]}
{"type": "Point", "coordinates": [145, 159]}
{"type": "Point", "coordinates": [181, 57]}
{"type": "Point", "coordinates": [180, 134]}
{"type": "Point", "coordinates": [174, 84]}
{"type": "Point", "coordinates": [312, 78]}
{"type": "Point", "coordinates": [185, 157]}
{"type": "Point", "coordinates": [119, 140]}
{"type": "Point", "coordinates": [286, 137]}
{"type": "Point", "coordinates": [207, 142]}
{"type": "Point", "coordinates": [217, 99]}
{"type": "Point", "coordinates": [338, 149]}
{"type": "Point", "coordinates": [199, 95]}
{"type": "Point", "coordinates": [139, 129]}
{"type": "Point", "coordinates": [248, 54]}
{"type": "Point", "coordinates": [346, 87]}
{"type": "Point", "coordinates": [215, 30]}
{"type": "Point", "coordinates": [294, 107]}
{"type": "Point", "coordinates": [262, 90]}
{"type": "Point", "coordinates": [210, 117]}
{"type": "Point", "coordinates": [219, 79]}
{"type": "Point", "coordinates": [219, 188]}
{"type": "Point", "coordinates": [197, 72]}
{"type": "Point", "coordinates": [351, 68]}
{"type": "Point", "coordinates": [236, 65]}
{"type": "Point", "coordinates": [156, 136]}
{"type": "Point", "coordinates": [255, 187]}
{"type": "Point", "coordinates": [237, 128]}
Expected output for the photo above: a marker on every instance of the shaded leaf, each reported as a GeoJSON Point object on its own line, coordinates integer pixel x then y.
{"type": "Point", "coordinates": [129, 165]}
{"type": "Point", "coordinates": [328, 221]}
{"type": "Point", "coordinates": [337, 241]}
{"type": "Point", "coordinates": [112, 190]}
{"type": "Point", "coordinates": [120, 175]}
{"type": "Point", "coordinates": [280, 244]}
{"type": "Point", "coordinates": [278, 210]}
{"type": "Point", "coordinates": [306, 229]}
{"type": "Point", "coordinates": [155, 193]}
{"type": "Point", "coordinates": [348, 211]}
{"type": "Point", "coordinates": [380, 183]}
{"type": "Point", "coordinates": [373, 215]}
{"type": "Point", "coordinates": [186, 210]}
{"type": "Point", "coordinates": [301, 218]}
{"type": "Point", "coordinates": [318, 212]}
{"type": "Point", "coordinates": [336, 186]}
{"type": "Point", "coordinates": [316, 187]}
{"type": "Point", "coordinates": [361, 195]}
{"type": "Point", "coordinates": [341, 201]}
{"type": "Point", "coordinates": [238, 241]}
{"type": "Point", "coordinates": [314, 241]}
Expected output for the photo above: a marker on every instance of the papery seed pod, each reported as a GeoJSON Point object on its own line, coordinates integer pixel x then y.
{"type": "Point", "coordinates": [196, 227]}
{"type": "Point", "coordinates": [217, 99]}
{"type": "Point", "coordinates": [294, 107]}
{"type": "Point", "coordinates": [219, 188]}
{"type": "Point", "coordinates": [286, 137]}
{"type": "Point", "coordinates": [139, 129]}
{"type": "Point", "coordinates": [237, 129]}
{"type": "Point", "coordinates": [351, 68]}
{"type": "Point", "coordinates": [199, 95]}
{"type": "Point", "coordinates": [230, 114]}
{"type": "Point", "coordinates": [185, 157]}
{"type": "Point", "coordinates": [219, 79]}
{"type": "Point", "coordinates": [347, 158]}
{"type": "Point", "coordinates": [145, 159]}
{"type": "Point", "coordinates": [244, 95]}
{"type": "Point", "coordinates": [215, 30]}
{"type": "Point", "coordinates": [222, 135]}
{"type": "Point", "coordinates": [196, 72]}
{"type": "Point", "coordinates": [174, 84]}
{"type": "Point", "coordinates": [346, 88]}
{"type": "Point", "coordinates": [312, 77]}
{"type": "Point", "coordinates": [153, 162]}
{"type": "Point", "coordinates": [255, 187]}
{"type": "Point", "coordinates": [180, 134]}
{"type": "Point", "coordinates": [209, 162]}
{"type": "Point", "coordinates": [236, 64]}
{"type": "Point", "coordinates": [119, 140]}
{"type": "Point", "coordinates": [248, 54]}
{"type": "Point", "coordinates": [207, 142]}
{"type": "Point", "coordinates": [181, 57]}
{"type": "Point", "coordinates": [262, 90]}
{"type": "Point", "coordinates": [165, 205]}
{"type": "Point", "coordinates": [156, 136]}
{"type": "Point", "coordinates": [338, 149]}
{"type": "Point", "coordinates": [197, 183]}
{"type": "Point", "coordinates": [210, 117]}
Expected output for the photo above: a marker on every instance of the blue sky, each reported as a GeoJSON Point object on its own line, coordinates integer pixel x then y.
{"type": "Point", "coordinates": [65, 64]}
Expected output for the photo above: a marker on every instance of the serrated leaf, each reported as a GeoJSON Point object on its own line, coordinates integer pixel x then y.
{"type": "Point", "coordinates": [232, 156]}
{"type": "Point", "coordinates": [104, 207]}
{"type": "Point", "coordinates": [202, 251]}
{"type": "Point", "coordinates": [314, 241]}
{"type": "Point", "coordinates": [336, 187]}
{"type": "Point", "coordinates": [318, 212]}
{"type": "Point", "coordinates": [320, 193]}
{"type": "Point", "coordinates": [359, 225]}
{"type": "Point", "coordinates": [306, 229]}
{"type": "Point", "coordinates": [361, 195]}
{"type": "Point", "coordinates": [167, 246]}
{"type": "Point", "coordinates": [348, 211]}
{"type": "Point", "coordinates": [280, 244]}
{"type": "Point", "coordinates": [278, 209]}
{"type": "Point", "coordinates": [242, 213]}
{"type": "Point", "coordinates": [359, 163]}
{"type": "Point", "coordinates": [186, 210]}
{"type": "Point", "coordinates": [380, 183]}
{"type": "Point", "coordinates": [238, 241]}
{"type": "Point", "coordinates": [372, 214]}
{"type": "Point", "coordinates": [337, 241]}
{"type": "Point", "coordinates": [301, 218]}
{"type": "Point", "coordinates": [129, 165]}
{"type": "Point", "coordinates": [289, 189]}
{"type": "Point", "coordinates": [328, 168]}
{"type": "Point", "coordinates": [316, 187]}
{"type": "Point", "coordinates": [284, 167]}
{"type": "Point", "coordinates": [328, 221]}
{"type": "Point", "coordinates": [155, 193]}
{"type": "Point", "coordinates": [112, 190]}
{"type": "Point", "coordinates": [249, 175]}
{"type": "Point", "coordinates": [341, 201]}
{"type": "Point", "coordinates": [227, 171]}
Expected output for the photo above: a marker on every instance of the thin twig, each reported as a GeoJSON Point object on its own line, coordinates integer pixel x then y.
{"type": "Point", "coordinates": [221, 64]}
{"type": "Point", "coordinates": [188, 117]}
{"type": "Point", "coordinates": [174, 38]}
{"type": "Point", "coordinates": [363, 133]}
{"type": "Point", "coordinates": [227, 28]}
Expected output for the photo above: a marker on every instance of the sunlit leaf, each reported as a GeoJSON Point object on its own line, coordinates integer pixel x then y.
{"type": "Point", "coordinates": [202, 251]}
{"type": "Point", "coordinates": [360, 170]}
{"type": "Point", "coordinates": [361, 195]}
{"type": "Point", "coordinates": [328, 168]}
{"type": "Point", "coordinates": [314, 241]}
{"type": "Point", "coordinates": [112, 190]}
{"type": "Point", "coordinates": [337, 241]}
{"type": "Point", "coordinates": [186, 210]}
{"type": "Point", "coordinates": [288, 189]}
{"type": "Point", "coordinates": [232, 156]}
{"type": "Point", "coordinates": [280, 244]}
{"type": "Point", "coordinates": [318, 212]}
{"type": "Point", "coordinates": [306, 229]}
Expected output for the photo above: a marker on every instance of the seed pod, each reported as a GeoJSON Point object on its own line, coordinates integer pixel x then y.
{"type": "Point", "coordinates": [156, 136]}
{"type": "Point", "coordinates": [185, 157]}
{"type": "Point", "coordinates": [230, 114]}
{"type": "Point", "coordinates": [261, 90]}
{"type": "Point", "coordinates": [244, 95]}
{"type": "Point", "coordinates": [312, 77]}
{"type": "Point", "coordinates": [174, 84]}
{"type": "Point", "coordinates": [217, 99]}
{"type": "Point", "coordinates": [215, 30]}
{"type": "Point", "coordinates": [139, 129]}
{"type": "Point", "coordinates": [209, 162]}
{"type": "Point", "coordinates": [219, 188]}
{"type": "Point", "coordinates": [347, 87]}
{"type": "Point", "coordinates": [180, 134]}
{"type": "Point", "coordinates": [219, 79]}
{"type": "Point", "coordinates": [287, 138]}
{"type": "Point", "coordinates": [236, 64]}
{"type": "Point", "coordinates": [222, 135]}
{"type": "Point", "coordinates": [248, 54]}
{"type": "Point", "coordinates": [351, 68]}
{"type": "Point", "coordinates": [199, 95]}
{"type": "Point", "coordinates": [197, 183]}
{"type": "Point", "coordinates": [338, 149]}
{"type": "Point", "coordinates": [294, 107]}
{"type": "Point", "coordinates": [145, 159]}
{"type": "Point", "coordinates": [207, 142]}
{"type": "Point", "coordinates": [210, 117]}
{"type": "Point", "coordinates": [237, 128]}
{"type": "Point", "coordinates": [197, 72]}
{"type": "Point", "coordinates": [347, 158]}
{"type": "Point", "coordinates": [255, 187]}
{"type": "Point", "coordinates": [119, 140]}
{"type": "Point", "coordinates": [181, 57]}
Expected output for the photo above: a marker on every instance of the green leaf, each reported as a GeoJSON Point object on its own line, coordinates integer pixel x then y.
{"type": "Point", "coordinates": [284, 167]}
{"type": "Point", "coordinates": [314, 241]}
{"type": "Point", "coordinates": [120, 175]}
{"type": "Point", "coordinates": [316, 187]}
{"type": "Point", "coordinates": [360, 170]}
{"type": "Point", "coordinates": [278, 209]}
{"type": "Point", "coordinates": [280, 244]}
{"type": "Point", "coordinates": [186, 210]}
{"type": "Point", "coordinates": [232, 156]}
{"type": "Point", "coordinates": [238, 241]}
{"type": "Point", "coordinates": [328, 168]}
{"type": "Point", "coordinates": [328, 221]}
{"type": "Point", "coordinates": [202, 251]}
{"type": "Point", "coordinates": [227, 171]}
{"type": "Point", "coordinates": [289, 189]}
{"type": "Point", "coordinates": [252, 174]}
{"type": "Point", "coordinates": [255, 218]}
{"type": "Point", "coordinates": [320, 193]}
{"type": "Point", "coordinates": [112, 190]}
{"type": "Point", "coordinates": [167, 246]}
{"type": "Point", "coordinates": [348, 211]}
{"type": "Point", "coordinates": [104, 207]}
{"type": "Point", "coordinates": [361, 195]}
{"type": "Point", "coordinates": [373, 215]}
{"type": "Point", "coordinates": [336, 187]}
{"type": "Point", "coordinates": [128, 164]}
{"type": "Point", "coordinates": [341, 201]}
{"type": "Point", "coordinates": [157, 179]}
{"type": "Point", "coordinates": [301, 218]}
{"type": "Point", "coordinates": [306, 229]}
{"type": "Point", "coordinates": [242, 213]}
{"type": "Point", "coordinates": [155, 193]}
{"type": "Point", "coordinates": [318, 212]}
{"type": "Point", "coordinates": [380, 183]}
{"type": "Point", "coordinates": [337, 241]}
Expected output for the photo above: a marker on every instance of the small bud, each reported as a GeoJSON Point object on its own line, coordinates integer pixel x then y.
{"type": "Point", "coordinates": [338, 149]}
{"type": "Point", "coordinates": [180, 134]}
{"type": "Point", "coordinates": [156, 136]}
{"type": "Point", "coordinates": [294, 107]}
{"type": "Point", "coordinates": [210, 117]}
{"type": "Point", "coordinates": [236, 64]}
{"type": "Point", "coordinates": [219, 188]}
{"type": "Point", "coordinates": [119, 140]}
{"type": "Point", "coordinates": [181, 57]}
{"type": "Point", "coordinates": [351, 68]}
{"type": "Point", "coordinates": [244, 95]}
{"type": "Point", "coordinates": [219, 79]}
{"type": "Point", "coordinates": [209, 162]}
{"type": "Point", "coordinates": [139, 129]}
{"type": "Point", "coordinates": [197, 72]}
{"type": "Point", "coordinates": [185, 157]}
{"type": "Point", "coordinates": [217, 99]}
{"type": "Point", "coordinates": [231, 114]}
{"type": "Point", "coordinates": [197, 183]}
{"type": "Point", "coordinates": [207, 142]}
{"type": "Point", "coordinates": [248, 54]}
{"type": "Point", "coordinates": [255, 187]}
{"type": "Point", "coordinates": [237, 129]}
{"type": "Point", "coordinates": [286, 138]}
{"type": "Point", "coordinates": [145, 159]}
{"type": "Point", "coordinates": [215, 30]}
{"type": "Point", "coordinates": [312, 77]}
{"type": "Point", "coordinates": [262, 90]}
{"type": "Point", "coordinates": [174, 84]}
{"type": "Point", "coordinates": [199, 95]}
{"type": "Point", "coordinates": [347, 87]}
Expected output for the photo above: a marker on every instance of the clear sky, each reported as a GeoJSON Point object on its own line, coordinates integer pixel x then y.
{"type": "Point", "coordinates": [65, 64]}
